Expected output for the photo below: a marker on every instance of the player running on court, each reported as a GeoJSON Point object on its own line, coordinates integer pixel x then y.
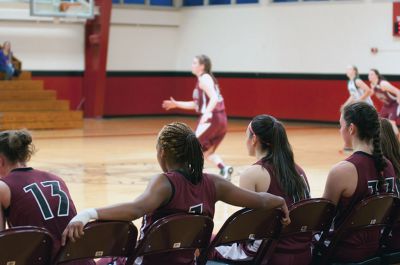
{"type": "Point", "coordinates": [209, 103]}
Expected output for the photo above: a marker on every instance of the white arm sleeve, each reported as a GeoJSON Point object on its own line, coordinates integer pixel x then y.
{"type": "Point", "coordinates": [85, 216]}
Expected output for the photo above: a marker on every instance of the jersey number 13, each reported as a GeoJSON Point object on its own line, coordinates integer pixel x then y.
{"type": "Point", "coordinates": [36, 190]}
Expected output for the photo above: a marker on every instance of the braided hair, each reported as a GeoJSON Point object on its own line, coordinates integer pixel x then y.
{"type": "Point", "coordinates": [183, 147]}
{"type": "Point", "coordinates": [365, 118]}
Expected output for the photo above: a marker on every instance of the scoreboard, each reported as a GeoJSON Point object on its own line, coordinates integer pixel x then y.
{"type": "Point", "coordinates": [396, 19]}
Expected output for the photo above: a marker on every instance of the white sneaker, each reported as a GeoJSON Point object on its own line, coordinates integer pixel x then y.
{"type": "Point", "coordinates": [226, 172]}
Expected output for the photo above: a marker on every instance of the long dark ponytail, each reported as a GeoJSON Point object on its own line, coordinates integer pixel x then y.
{"type": "Point", "coordinates": [390, 145]}
{"type": "Point", "coordinates": [182, 146]}
{"type": "Point", "coordinates": [365, 118]}
{"type": "Point", "coordinates": [273, 138]}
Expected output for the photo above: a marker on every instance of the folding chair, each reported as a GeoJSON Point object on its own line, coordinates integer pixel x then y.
{"type": "Point", "coordinates": [175, 233]}
{"type": "Point", "coordinates": [307, 217]}
{"type": "Point", "coordinates": [101, 239]}
{"type": "Point", "coordinates": [244, 225]}
{"type": "Point", "coordinates": [372, 212]}
{"type": "Point", "coordinates": [392, 257]}
{"type": "Point", "coordinates": [26, 245]}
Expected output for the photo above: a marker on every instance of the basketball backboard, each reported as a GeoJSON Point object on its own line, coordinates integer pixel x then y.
{"type": "Point", "coordinates": [62, 8]}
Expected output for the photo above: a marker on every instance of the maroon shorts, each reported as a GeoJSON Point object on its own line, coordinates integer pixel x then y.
{"type": "Point", "coordinates": [301, 258]}
{"type": "Point", "coordinates": [390, 112]}
{"type": "Point", "coordinates": [393, 243]}
{"type": "Point", "coordinates": [213, 136]}
{"type": "Point", "coordinates": [358, 246]}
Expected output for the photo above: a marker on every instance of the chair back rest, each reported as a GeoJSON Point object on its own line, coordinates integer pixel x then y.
{"type": "Point", "coordinates": [26, 245]}
{"type": "Point", "coordinates": [311, 215]}
{"type": "Point", "coordinates": [176, 232]}
{"type": "Point", "coordinates": [101, 239]}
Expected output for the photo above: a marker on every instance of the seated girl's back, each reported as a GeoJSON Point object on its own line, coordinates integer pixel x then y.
{"type": "Point", "coordinates": [275, 173]}
{"type": "Point", "coordinates": [31, 197]}
{"type": "Point", "coordinates": [364, 173]}
{"type": "Point", "coordinates": [391, 150]}
{"type": "Point", "coordinates": [182, 187]}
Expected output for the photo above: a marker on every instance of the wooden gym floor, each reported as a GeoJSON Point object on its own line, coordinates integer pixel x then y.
{"type": "Point", "coordinates": [111, 160]}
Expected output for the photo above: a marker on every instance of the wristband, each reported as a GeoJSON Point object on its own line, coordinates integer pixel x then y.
{"type": "Point", "coordinates": [85, 216]}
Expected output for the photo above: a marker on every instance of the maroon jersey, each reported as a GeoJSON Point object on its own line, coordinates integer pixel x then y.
{"type": "Point", "coordinates": [201, 99]}
{"type": "Point", "coordinates": [386, 97]}
{"type": "Point", "coordinates": [40, 199]}
{"type": "Point", "coordinates": [390, 106]}
{"type": "Point", "coordinates": [210, 137]}
{"type": "Point", "coordinates": [360, 245]}
{"type": "Point", "coordinates": [186, 198]}
{"type": "Point", "coordinates": [215, 133]}
{"type": "Point", "coordinates": [299, 246]}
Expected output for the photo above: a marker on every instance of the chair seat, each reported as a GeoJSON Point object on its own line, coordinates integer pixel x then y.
{"type": "Point", "coordinates": [230, 262]}
{"type": "Point", "coordinates": [371, 261]}
{"type": "Point", "coordinates": [242, 262]}
{"type": "Point", "coordinates": [391, 258]}
{"type": "Point", "coordinates": [213, 262]}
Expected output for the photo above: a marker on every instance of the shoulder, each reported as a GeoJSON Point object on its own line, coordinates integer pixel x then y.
{"type": "Point", "coordinates": [384, 84]}
{"type": "Point", "coordinates": [5, 195]}
{"type": "Point", "coordinates": [206, 79]}
{"type": "Point", "coordinates": [255, 172]}
{"type": "Point", "coordinates": [4, 187]}
{"type": "Point", "coordinates": [216, 179]}
{"type": "Point", "coordinates": [160, 184]}
{"type": "Point", "coordinates": [300, 170]}
{"type": "Point", "coordinates": [162, 178]}
{"type": "Point", "coordinates": [46, 176]}
{"type": "Point", "coordinates": [389, 167]}
{"type": "Point", "coordinates": [342, 170]}
{"type": "Point", "coordinates": [213, 177]}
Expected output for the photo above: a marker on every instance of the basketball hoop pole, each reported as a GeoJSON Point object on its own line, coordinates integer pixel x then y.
{"type": "Point", "coordinates": [94, 80]}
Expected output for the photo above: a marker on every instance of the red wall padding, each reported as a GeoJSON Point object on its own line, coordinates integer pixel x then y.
{"type": "Point", "coordinates": [293, 99]}
{"type": "Point", "coordinates": [244, 97]}
{"type": "Point", "coordinates": [67, 87]}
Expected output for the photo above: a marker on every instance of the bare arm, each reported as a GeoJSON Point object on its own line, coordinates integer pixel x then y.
{"type": "Point", "coordinates": [231, 194]}
{"type": "Point", "coordinates": [392, 89]}
{"type": "Point", "coordinates": [207, 84]}
{"type": "Point", "coordinates": [5, 196]}
{"type": "Point", "coordinates": [255, 178]}
{"type": "Point", "coordinates": [156, 194]}
{"type": "Point", "coordinates": [189, 105]}
{"type": "Point", "coordinates": [173, 104]}
{"type": "Point", "coordinates": [341, 181]}
{"type": "Point", "coordinates": [367, 90]}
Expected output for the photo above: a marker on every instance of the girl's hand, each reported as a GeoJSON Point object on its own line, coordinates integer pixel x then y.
{"type": "Point", "coordinates": [286, 219]}
{"type": "Point", "coordinates": [74, 229]}
{"type": "Point", "coordinates": [206, 117]}
{"type": "Point", "coordinates": [169, 104]}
